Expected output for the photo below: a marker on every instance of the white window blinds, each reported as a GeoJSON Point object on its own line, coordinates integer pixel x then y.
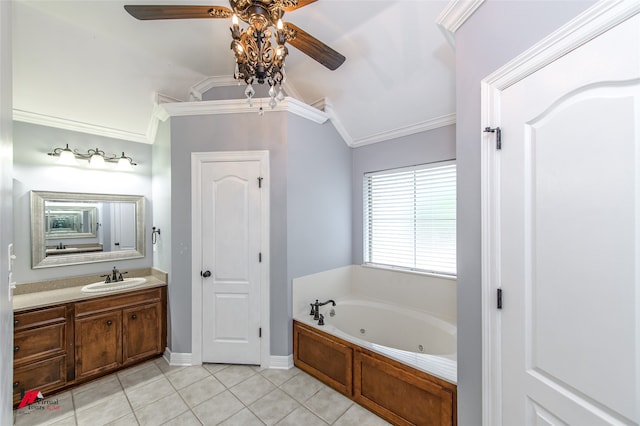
{"type": "Point", "coordinates": [410, 218]}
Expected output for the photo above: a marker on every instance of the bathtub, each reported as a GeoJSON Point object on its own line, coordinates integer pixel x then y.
{"type": "Point", "coordinates": [411, 337]}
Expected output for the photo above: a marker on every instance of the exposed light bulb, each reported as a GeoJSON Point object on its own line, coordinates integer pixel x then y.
{"type": "Point", "coordinates": [279, 25]}
{"type": "Point", "coordinates": [234, 19]}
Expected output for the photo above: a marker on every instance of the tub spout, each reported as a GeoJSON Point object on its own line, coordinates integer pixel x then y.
{"type": "Point", "coordinates": [315, 308]}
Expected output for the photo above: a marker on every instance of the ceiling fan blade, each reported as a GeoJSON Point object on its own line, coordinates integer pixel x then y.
{"type": "Point", "coordinates": [313, 47]}
{"type": "Point", "coordinates": [301, 3]}
{"type": "Point", "coordinates": [177, 12]}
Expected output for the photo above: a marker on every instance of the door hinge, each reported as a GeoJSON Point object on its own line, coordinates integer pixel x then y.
{"type": "Point", "coordinates": [498, 133]}
{"type": "Point", "coordinates": [260, 182]}
{"type": "Point", "coordinates": [260, 332]}
{"type": "Point", "coordinates": [260, 257]}
{"type": "Point", "coordinates": [499, 298]}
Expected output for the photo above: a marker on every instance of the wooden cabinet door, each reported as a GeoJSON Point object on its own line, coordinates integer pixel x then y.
{"type": "Point", "coordinates": [98, 343]}
{"type": "Point", "coordinates": [141, 332]}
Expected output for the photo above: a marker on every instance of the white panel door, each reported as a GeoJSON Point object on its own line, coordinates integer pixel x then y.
{"type": "Point", "coordinates": [123, 229]}
{"type": "Point", "coordinates": [569, 237]}
{"type": "Point", "coordinates": [231, 241]}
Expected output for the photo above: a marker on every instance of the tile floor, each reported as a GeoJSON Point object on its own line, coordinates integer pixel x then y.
{"type": "Point", "coordinates": [154, 393]}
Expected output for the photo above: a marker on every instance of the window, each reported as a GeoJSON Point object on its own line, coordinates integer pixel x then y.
{"type": "Point", "coordinates": [410, 218]}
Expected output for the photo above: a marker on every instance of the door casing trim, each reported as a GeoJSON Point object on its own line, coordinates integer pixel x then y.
{"type": "Point", "coordinates": [197, 160]}
{"type": "Point", "coordinates": [596, 20]}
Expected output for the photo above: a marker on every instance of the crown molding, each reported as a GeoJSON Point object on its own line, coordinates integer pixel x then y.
{"type": "Point", "coordinates": [239, 106]}
{"type": "Point", "coordinates": [325, 105]}
{"type": "Point", "coordinates": [199, 89]}
{"type": "Point", "coordinates": [423, 126]}
{"type": "Point", "coordinates": [454, 15]}
{"type": "Point", "coordinates": [78, 126]}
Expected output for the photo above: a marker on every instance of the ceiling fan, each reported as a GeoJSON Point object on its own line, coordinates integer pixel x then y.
{"type": "Point", "coordinates": [259, 14]}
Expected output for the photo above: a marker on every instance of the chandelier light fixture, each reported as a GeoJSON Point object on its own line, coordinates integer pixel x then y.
{"type": "Point", "coordinates": [260, 52]}
{"type": "Point", "coordinates": [260, 49]}
{"type": "Point", "coordinates": [97, 158]}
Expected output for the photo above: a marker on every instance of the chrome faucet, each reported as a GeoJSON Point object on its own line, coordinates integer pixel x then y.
{"type": "Point", "coordinates": [315, 308]}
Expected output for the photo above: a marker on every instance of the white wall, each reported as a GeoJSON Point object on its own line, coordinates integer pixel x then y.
{"type": "Point", "coordinates": [6, 228]}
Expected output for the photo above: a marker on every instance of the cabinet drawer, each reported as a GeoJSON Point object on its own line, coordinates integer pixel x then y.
{"type": "Point", "coordinates": [43, 376]}
{"type": "Point", "coordinates": [120, 301]}
{"type": "Point", "coordinates": [38, 342]}
{"type": "Point", "coordinates": [37, 318]}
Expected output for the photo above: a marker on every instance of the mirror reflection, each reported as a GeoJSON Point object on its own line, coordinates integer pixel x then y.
{"type": "Point", "coordinates": [72, 228]}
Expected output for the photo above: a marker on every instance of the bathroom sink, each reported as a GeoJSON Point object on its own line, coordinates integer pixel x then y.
{"type": "Point", "coordinates": [120, 285]}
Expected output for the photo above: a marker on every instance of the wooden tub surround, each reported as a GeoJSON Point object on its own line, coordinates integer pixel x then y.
{"type": "Point", "coordinates": [396, 392]}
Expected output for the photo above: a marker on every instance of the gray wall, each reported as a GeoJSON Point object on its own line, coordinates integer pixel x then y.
{"type": "Point", "coordinates": [421, 148]}
{"type": "Point", "coordinates": [229, 132]}
{"type": "Point", "coordinates": [35, 170]}
{"type": "Point", "coordinates": [6, 214]}
{"type": "Point", "coordinates": [496, 33]}
{"type": "Point", "coordinates": [318, 202]}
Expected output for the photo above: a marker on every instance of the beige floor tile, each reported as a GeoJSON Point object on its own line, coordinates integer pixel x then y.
{"type": "Point", "coordinates": [149, 392]}
{"type": "Point", "coordinates": [201, 390]}
{"type": "Point", "coordinates": [302, 416]}
{"type": "Point", "coordinates": [328, 404]}
{"type": "Point", "coordinates": [107, 411]}
{"type": "Point", "coordinates": [138, 375]}
{"type": "Point", "coordinates": [128, 420]}
{"type": "Point", "coordinates": [214, 368]}
{"type": "Point", "coordinates": [302, 386]}
{"type": "Point", "coordinates": [183, 378]}
{"type": "Point", "coordinates": [47, 411]}
{"type": "Point", "coordinates": [273, 407]}
{"type": "Point", "coordinates": [358, 416]}
{"type": "Point", "coordinates": [252, 389]}
{"type": "Point", "coordinates": [243, 417]}
{"type": "Point", "coordinates": [218, 408]}
{"type": "Point", "coordinates": [164, 366]}
{"type": "Point", "coordinates": [279, 376]}
{"type": "Point", "coordinates": [234, 374]}
{"type": "Point", "coordinates": [161, 411]}
{"type": "Point", "coordinates": [67, 421]}
{"type": "Point", "coordinates": [185, 419]}
{"type": "Point", "coordinates": [96, 392]}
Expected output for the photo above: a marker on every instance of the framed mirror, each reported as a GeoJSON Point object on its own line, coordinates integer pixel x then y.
{"type": "Point", "coordinates": [76, 228]}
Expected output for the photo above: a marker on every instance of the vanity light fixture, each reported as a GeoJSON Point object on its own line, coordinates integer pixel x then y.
{"type": "Point", "coordinates": [97, 158]}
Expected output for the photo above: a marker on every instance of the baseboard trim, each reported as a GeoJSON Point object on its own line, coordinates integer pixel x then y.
{"type": "Point", "coordinates": [176, 358]}
{"type": "Point", "coordinates": [186, 359]}
{"type": "Point", "coordinates": [281, 362]}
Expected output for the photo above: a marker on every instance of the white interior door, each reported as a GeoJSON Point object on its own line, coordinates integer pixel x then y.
{"type": "Point", "coordinates": [231, 241]}
{"type": "Point", "coordinates": [567, 237]}
{"type": "Point", "coordinates": [123, 229]}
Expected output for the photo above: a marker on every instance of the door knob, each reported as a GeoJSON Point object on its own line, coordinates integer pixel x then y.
{"type": "Point", "coordinates": [205, 274]}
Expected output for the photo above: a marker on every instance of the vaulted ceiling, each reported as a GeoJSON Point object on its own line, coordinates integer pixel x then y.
{"type": "Point", "coordinates": [89, 66]}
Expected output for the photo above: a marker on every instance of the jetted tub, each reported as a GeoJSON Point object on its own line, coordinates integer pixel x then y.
{"type": "Point", "coordinates": [414, 338]}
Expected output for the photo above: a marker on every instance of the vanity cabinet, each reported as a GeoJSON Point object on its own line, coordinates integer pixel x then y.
{"type": "Point", "coordinates": [115, 331]}
{"type": "Point", "coordinates": [42, 350]}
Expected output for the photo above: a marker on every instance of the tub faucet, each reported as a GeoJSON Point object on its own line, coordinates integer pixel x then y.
{"type": "Point", "coordinates": [315, 308]}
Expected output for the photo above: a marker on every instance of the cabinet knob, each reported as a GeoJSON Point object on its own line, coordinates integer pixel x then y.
{"type": "Point", "coordinates": [109, 322]}
{"type": "Point", "coordinates": [16, 384]}
{"type": "Point", "coordinates": [16, 322]}
{"type": "Point", "coordinates": [16, 349]}
{"type": "Point", "coordinates": [134, 316]}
